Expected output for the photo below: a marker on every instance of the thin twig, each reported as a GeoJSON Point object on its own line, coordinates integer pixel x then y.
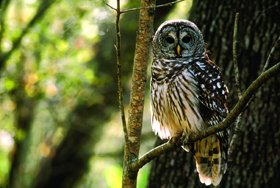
{"type": "Point", "coordinates": [157, 6]}
{"type": "Point", "coordinates": [139, 8]}
{"type": "Point", "coordinates": [238, 108]}
{"type": "Point", "coordinates": [109, 5]}
{"type": "Point", "coordinates": [119, 71]}
{"type": "Point", "coordinates": [234, 53]}
{"type": "Point", "coordinates": [270, 54]}
{"type": "Point", "coordinates": [237, 84]}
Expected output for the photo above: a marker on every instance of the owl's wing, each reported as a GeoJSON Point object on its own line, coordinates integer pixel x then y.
{"type": "Point", "coordinates": [212, 99]}
{"type": "Point", "coordinates": [212, 89]}
{"type": "Point", "coordinates": [213, 94]}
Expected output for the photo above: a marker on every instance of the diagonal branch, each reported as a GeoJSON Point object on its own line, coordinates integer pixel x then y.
{"type": "Point", "coordinates": [111, 7]}
{"type": "Point", "coordinates": [44, 6]}
{"type": "Point", "coordinates": [270, 54]}
{"type": "Point", "coordinates": [238, 108]}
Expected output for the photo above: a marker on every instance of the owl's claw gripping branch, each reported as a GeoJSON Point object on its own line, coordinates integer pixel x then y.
{"type": "Point", "coordinates": [178, 139]}
{"type": "Point", "coordinates": [185, 144]}
{"type": "Point", "coordinates": [181, 140]}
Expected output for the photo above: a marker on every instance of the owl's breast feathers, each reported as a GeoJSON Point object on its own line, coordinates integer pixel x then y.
{"type": "Point", "coordinates": [202, 75]}
{"type": "Point", "coordinates": [189, 95]}
{"type": "Point", "coordinates": [174, 104]}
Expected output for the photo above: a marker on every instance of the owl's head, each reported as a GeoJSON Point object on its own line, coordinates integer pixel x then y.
{"type": "Point", "coordinates": [178, 39]}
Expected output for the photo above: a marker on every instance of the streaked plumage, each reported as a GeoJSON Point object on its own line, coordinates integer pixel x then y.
{"type": "Point", "coordinates": [188, 95]}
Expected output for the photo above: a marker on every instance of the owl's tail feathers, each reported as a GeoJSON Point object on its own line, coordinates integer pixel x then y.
{"type": "Point", "coordinates": [210, 160]}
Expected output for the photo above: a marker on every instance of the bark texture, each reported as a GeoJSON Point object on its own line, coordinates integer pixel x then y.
{"type": "Point", "coordinates": [255, 158]}
{"type": "Point", "coordinates": [139, 78]}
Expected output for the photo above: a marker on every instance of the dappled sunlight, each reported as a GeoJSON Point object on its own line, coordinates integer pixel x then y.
{"type": "Point", "coordinates": [60, 122]}
{"type": "Point", "coordinates": [6, 141]}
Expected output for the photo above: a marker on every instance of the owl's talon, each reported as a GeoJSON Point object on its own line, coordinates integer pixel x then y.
{"type": "Point", "coordinates": [174, 139]}
{"type": "Point", "coordinates": [185, 139]}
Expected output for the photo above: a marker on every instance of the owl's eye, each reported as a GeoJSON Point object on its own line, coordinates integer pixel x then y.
{"type": "Point", "coordinates": [186, 39]}
{"type": "Point", "coordinates": [169, 40]}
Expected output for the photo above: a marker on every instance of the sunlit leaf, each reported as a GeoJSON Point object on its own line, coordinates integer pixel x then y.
{"type": "Point", "coordinates": [9, 84]}
{"type": "Point", "coordinates": [89, 75]}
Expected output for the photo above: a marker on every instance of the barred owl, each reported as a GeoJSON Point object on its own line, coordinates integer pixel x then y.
{"type": "Point", "coordinates": [188, 95]}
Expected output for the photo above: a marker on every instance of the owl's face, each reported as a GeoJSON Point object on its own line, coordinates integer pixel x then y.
{"type": "Point", "coordinates": [178, 39]}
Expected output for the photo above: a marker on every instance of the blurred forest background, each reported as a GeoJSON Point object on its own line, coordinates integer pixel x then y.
{"type": "Point", "coordinates": [58, 93]}
{"type": "Point", "coordinates": [60, 125]}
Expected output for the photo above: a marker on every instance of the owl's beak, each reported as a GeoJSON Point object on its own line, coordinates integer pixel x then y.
{"type": "Point", "coordinates": [178, 50]}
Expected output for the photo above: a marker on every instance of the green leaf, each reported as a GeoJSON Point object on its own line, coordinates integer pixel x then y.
{"type": "Point", "coordinates": [9, 84]}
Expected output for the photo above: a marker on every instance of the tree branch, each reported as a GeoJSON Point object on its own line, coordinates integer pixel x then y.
{"type": "Point", "coordinates": [148, 7]}
{"type": "Point", "coordinates": [237, 83]}
{"type": "Point", "coordinates": [139, 78]}
{"type": "Point", "coordinates": [238, 108]}
{"type": "Point", "coordinates": [234, 53]}
{"type": "Point", "coordinates": [150, 155]}
{"type": "Point", "coordinates": [119, 70]}
{"type": "Point", "coordinates": [43, 7]}
{"type": "Point", "coordinates": [270, 54]}
{"type": "Point", "coordinates": [115, 9]}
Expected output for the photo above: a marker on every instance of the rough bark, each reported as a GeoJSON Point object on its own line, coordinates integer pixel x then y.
{"type": "Point", "coordinates": [255, 158]}
{"type": "Point", "coordinates": [139, 78]}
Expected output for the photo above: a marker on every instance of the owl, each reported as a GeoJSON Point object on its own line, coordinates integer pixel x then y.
{"type": "Point", "coordinates": [188, 95]}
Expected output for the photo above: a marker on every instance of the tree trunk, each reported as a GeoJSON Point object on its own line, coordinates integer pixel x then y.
{"type": "Point", "coordinates": [23, 119]}
{"type": "Point", "coordinates": [139, 78]}
{"type": "Point", "coordinates": [255, 158]}
{"type": "Point", "coordinates": [71, 158]}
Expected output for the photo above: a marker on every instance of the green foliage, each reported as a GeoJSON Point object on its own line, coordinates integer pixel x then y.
{"type": "Point", "coordinates": [8, 84]}
{"type": "Point", "coordinates": [53, 68]}
{"type": "Point", "coordinates": [113, 176]}
{"type": "Point", "coordinates": [143, 177]}
{"type": "Point", "coordinates": [4, 166]}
